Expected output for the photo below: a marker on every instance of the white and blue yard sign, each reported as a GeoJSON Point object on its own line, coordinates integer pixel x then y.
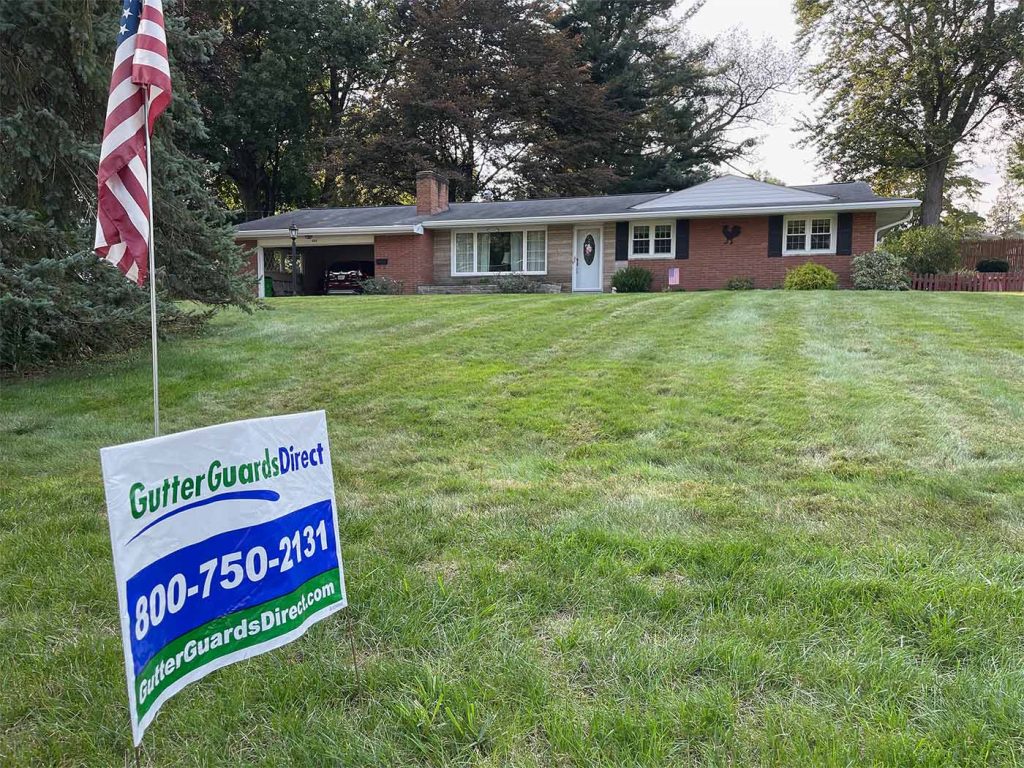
{"type": "Point", "coordinates": [225, 545]}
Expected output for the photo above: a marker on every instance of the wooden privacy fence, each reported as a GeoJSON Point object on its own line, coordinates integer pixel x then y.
{"type": "Point", "coordinates": [979, 281]}
{"type": "Point", "coordinates": [1010, 251]}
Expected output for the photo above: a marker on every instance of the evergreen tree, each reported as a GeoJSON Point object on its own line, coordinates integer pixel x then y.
{"type": "Point", "coordinates": [1015, 159]}
{"type": "Point", "coordinates": [281, 80]}
{"type": "Point", "coordinates": [57, 299]}
{"type": "Point", "coordinates": [1006, 219]}
{"type": "Point", "coordinates": [680, 101]}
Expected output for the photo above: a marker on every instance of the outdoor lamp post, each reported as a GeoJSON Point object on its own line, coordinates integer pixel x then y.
{"type": "Point", "coordinates": [294, 232]}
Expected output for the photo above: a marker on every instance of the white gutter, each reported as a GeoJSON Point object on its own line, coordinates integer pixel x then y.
{"type": "Point", "coordinates": [669, 213]}
{"type": "Point", "coordinates": [880, 230]}
{"type": "Point", "coordinates": [391, 229]}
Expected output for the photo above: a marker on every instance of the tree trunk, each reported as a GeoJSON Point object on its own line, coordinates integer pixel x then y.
{"type": "Point", "coordinates": [330, 175]}
{"type": "Point", "coordinates": [252, 200]}
{"type": "Point", "coordinates": [934, 186]}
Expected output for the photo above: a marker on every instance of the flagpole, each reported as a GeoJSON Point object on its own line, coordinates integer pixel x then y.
{"type": "Point", "coordinates": [152, 270]}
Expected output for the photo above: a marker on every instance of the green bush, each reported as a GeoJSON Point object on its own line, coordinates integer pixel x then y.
{"type": "Point", "coordinates": [516, 284]}
{"type": "Point", "coordinates": [379, 286]}
{"type": "Point", "coordinates": [993, 265]}
{"type": "Point", "coordinates": [926, 250]}
{"type": "Point", "coordinates": [68, 308]}
{"type": "Point", "coordinates": [811, 277]}
{"type": "Point", "coordinates": [740, 284]}
{"type": "Point", "coordinates": [632, 280]}
{"type": "Point", "coordinates": [879, 271]}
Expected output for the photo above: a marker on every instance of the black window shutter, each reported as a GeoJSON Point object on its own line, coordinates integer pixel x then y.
{"type": "Point", "coordinates": [621, 240]}
{"type": "Point", "coordinates": [844, 235]}
{"type": "Point", "coordinates": [774, 235]}
{"type": "Point", "coordinates": [682, 238]}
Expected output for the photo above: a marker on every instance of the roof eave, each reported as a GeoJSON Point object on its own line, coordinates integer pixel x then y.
{"type": "Point", "coordinates": [637, 215]}
{"type": "Point", "coordinates": [389, 229]}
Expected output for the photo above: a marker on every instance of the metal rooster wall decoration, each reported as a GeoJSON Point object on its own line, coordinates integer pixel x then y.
{"type": "Point", "coordinates": [731, 232]}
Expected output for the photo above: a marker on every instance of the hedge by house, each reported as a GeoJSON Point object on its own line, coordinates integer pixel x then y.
{"type": "Point", "coordinates": [811, 277]}
{"type": "Point", "coordinates": [632, 280]}
{"type": "Point", "coordinates": [926, 250]}
{"type": "Point", "coordinates": [880, 271]}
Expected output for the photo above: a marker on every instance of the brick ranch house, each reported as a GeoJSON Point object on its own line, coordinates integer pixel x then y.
{"type": "Point", "coordinates": [693, 239]}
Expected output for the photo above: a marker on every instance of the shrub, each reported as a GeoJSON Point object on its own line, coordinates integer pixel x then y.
{"type": "Point", "coordinates": [516, 284]}
{"type": "Point", "coordinates": [740, 284]}
{"type": "Point", "coordinates": [811, 277]}
{"type": "Point", "coordinates": [632, 280]}
{"type": "Point", "coordinates": [379, 286]}
{"type": "Point", "coordinates": [926, 250]}
{"type": "Point", "coordinates": [992, 265]}
{"type": "Point", "coordinates": [879, 271]}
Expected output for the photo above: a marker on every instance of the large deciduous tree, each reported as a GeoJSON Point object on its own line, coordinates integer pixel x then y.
{"type": "Point", "coordinates": [280, 81]}
{"type": "Point", "coordinates": [907, 85]}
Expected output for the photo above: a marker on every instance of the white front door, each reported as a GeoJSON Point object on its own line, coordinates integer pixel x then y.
{"type": "Point", "coordinates": [586, 260]}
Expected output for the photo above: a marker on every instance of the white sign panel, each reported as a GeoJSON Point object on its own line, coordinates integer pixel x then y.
{"type": "Point", "coordinates": [225, 545]}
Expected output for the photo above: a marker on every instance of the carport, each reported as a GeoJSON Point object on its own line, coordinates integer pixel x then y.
{"type": "Point", "coordinates": [313, 261]}
{"type": "Point", "coordinates": [342, 239]}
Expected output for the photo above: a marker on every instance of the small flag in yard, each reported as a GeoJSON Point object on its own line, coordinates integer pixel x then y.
{"type": "Point", "coordinates": [140, 68]}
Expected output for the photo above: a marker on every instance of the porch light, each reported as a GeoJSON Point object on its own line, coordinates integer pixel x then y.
{"type": "Point", "coordinates": [294, 232]}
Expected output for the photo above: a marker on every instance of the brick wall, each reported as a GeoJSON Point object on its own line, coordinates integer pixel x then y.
{"type": "Point", "coordinates": [712, 262]}
{"type": "Point", "coordinates": [410, 259]}
{"type": "Point", "coordinates": [425, 259]}
{"type": "Point", "coordinates": [252, 266]}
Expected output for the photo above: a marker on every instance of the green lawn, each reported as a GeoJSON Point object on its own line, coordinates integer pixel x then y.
{"type": "Point", "coordinates": [756, 528]}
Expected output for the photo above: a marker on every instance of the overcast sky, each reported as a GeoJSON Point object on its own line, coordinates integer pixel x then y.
{"type": "Point", "coordinates": [777, 153]}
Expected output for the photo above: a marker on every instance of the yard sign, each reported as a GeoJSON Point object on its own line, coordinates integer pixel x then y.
{"type": "Point", "coordinates": [225, 545]}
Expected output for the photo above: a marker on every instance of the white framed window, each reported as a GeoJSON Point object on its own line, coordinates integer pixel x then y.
{"type": "Point", "coordinates": [464, 250]}
{"type": "Point", "coordinates": [815, 233]}
{"type": "Point", "coordinates": [537, 251]}
{"type": "Point", "coordinates": [499, 252]}
{"type": "Point", "coordinates": [652, 240]}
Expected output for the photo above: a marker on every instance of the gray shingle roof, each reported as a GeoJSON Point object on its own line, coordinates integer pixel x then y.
{"type": "Point", "coordinates": [552, 206]}
{"type": "Point", "coordinates": [318, 218]}
{"type": "Point", "coordinates": [847, 192]}
{"type": "Point", "coordinates": [619, 205]}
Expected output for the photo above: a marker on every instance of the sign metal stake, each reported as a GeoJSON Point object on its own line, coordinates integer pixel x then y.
{"type": "Point", "coordinates": [152, 269]}
{"type": "Point", "coordinates": [352, 644]}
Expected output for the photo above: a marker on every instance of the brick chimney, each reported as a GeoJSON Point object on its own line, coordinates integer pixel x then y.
{"type": "Point", "coordinates": [431, 193]}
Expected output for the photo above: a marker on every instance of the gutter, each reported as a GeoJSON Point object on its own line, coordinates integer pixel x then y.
{"type": "Point", "coordinates": [670, 213]}
{"type": "Point", "coordinates": [390, 229]}
{"type": "Point", "coordinates": [880, 230]}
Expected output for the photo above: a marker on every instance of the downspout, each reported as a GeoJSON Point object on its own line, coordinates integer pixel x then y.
{"type": "Point", "coordinates": [261, 285]}
{"type": "Point", "coordinates": [880, 230]}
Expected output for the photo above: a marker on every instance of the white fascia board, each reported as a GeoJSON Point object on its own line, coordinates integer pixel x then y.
{"type": "Point", "coordinates": [668, 213]}
{"type": "Point", "coordinates": [392, 229]}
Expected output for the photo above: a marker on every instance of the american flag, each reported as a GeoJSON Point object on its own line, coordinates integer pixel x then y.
{"type": "Point", "coordinates": [140, 66]}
